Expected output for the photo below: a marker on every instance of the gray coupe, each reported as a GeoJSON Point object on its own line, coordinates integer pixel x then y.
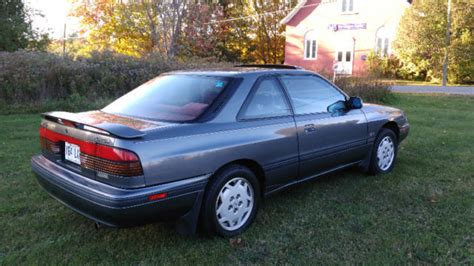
{"type": "Point", "coordinates": [204, 147]}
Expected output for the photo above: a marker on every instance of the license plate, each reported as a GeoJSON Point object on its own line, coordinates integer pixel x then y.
{"type": "Point", "coordinates": [72, 153]}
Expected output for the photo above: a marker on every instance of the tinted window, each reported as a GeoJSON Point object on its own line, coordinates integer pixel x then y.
{"type": "Point", "coordinates": [268, 101]}
{"type": "Point", "coordinates": [176, 98]}
{"type": "Point", "coordinates": [311, 94]}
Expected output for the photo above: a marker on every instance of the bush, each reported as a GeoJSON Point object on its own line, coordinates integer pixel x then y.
{"type": "Point", "coordinates": [369, 89]}
{"type": "Point", "coordinates": [36, 78]}
{"type": "Point", "coordinates": [38, 81]}
{"type": "Point", "coordinates": [383, 67]}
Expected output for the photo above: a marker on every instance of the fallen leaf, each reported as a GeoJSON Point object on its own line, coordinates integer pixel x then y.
{"type": "Point", "coordinates": [235, 241]}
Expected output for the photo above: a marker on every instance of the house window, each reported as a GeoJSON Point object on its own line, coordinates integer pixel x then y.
{"type": "Point", "coordinates": [382, 43]}
{"type": "Point", "coordinates": [310, 45]}
{"type": "Point", "coordinates": [347, 6]}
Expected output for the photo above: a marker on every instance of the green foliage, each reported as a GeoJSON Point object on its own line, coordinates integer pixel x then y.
{"type": "Point", "coordinates": [369, 89]}
{"type": "Point", "coordinates": [73, 103]}
{"type": "Point", "coordinates": [384, 67]}
{"type": "Point", "coordinates": [36, 77]}
{"type": "Point", "coordinates": [16, 31]}
{"type": "Point", "coordinates": [420, 43]}
{"type": "Point", "coordinates": [14, 25]}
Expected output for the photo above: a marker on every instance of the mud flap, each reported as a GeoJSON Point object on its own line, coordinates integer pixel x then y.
{"type": "Point", "coordinates": [365, 164]}
{"type": "Point", "coordinates": [187, 224]}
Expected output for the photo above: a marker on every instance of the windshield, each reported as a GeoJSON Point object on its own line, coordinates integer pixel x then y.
{"type": "Point", "coordinates": [175, 98]}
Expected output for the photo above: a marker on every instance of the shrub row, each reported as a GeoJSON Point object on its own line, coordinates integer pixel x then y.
{"type": "Point", "coordinates": [33, 82]}
{"type": "Point", "coordinates": [369, 89]}
{"type": "Point", "coordinates": [37, 77]}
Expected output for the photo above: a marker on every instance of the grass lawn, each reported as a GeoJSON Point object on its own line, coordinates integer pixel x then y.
{"type": "Point", "coordinates": [423, 212]}
{"type": "Point", "coordinates": [402, 82]}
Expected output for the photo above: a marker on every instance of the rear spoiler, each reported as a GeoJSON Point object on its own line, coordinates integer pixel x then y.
{"type": "Point", "coordinates": [117, 130]}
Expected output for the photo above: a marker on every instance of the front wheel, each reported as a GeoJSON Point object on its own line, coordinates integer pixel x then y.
{"type": "Point", "coordinates": [384, 152]}
{"type": "Point", "coordinates": [231, 202]}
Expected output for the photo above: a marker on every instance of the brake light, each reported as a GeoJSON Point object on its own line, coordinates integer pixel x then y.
{"type": "Point", "coordinates": [97, 157]}
{"type": "Point", "coordinates": [46, 144]}
{"type": "Point", "coordinates": [114, 154]}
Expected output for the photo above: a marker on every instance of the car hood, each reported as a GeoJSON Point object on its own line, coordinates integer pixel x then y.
{"type": "Point", "coordinates": [377, 108]}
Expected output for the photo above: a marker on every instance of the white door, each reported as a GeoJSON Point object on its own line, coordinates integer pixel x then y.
{"type": "Point", "coordinates": [344, 58]}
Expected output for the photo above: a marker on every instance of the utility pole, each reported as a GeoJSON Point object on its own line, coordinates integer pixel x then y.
{"type": "Point", "coordinates": [64, 41]}
{"type": "Point", "coordinates": [448, 40]}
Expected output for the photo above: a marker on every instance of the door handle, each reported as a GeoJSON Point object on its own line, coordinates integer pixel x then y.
{"type": "Point", "coordinates": [309, 128]}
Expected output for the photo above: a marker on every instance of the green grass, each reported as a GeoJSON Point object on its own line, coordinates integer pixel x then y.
{"type": "Point", "coordinates": [403, 82]}
{"type": "Point", "coordinates": [423, 212]}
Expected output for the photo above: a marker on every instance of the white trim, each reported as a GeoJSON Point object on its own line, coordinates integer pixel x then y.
{"type": "Point", "coordinates": [344, 48]}
{"type": "Point", "coordinates": [293, 12]}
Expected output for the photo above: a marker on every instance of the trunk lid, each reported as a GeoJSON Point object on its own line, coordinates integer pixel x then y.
{"type": "Point", "coordinates": [104, 123]}
{"type": "Point", "coordinates": [89, 143]}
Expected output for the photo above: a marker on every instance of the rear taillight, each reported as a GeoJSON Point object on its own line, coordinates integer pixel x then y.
{"type": "Point", "coordinates": [118, 168]}
{"type": "Point", "coordinates": [48, 145]}
{"type": "Point", "coordinates": [97, 157]}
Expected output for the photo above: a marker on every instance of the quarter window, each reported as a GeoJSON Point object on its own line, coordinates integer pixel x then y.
{"type": "Point", "coordinates": [311, 94]}
{"type": "Point", "coordinates": [267, 101]}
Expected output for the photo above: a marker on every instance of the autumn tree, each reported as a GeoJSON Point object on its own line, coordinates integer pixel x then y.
{"type": "Point", "coordinates": [420, 44]}
{"type": "Point", "coordinates": [270, 34]}
{"type": "Point", "coordinates": [244, 30]}
{"type": "Point", "coordinates": [202, 31]}
{"type": "Point", "coordinates": [133, 28]}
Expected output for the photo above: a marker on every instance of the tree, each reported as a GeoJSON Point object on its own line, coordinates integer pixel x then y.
{"type": "Point", "coordinates": [245, 30]}
{"type": "Point", "coordinates": [132, 27]}
{"type": "Point", "coordinates": [202, 32]}
{"type": "Point", "coordinates": [15, 27]}
{"type": "Point", "coordinates": [420, 43]}
{"type": "Point", "coordinates": [110, 25]}
{"type": "Point", "coordinates": [270, 34]}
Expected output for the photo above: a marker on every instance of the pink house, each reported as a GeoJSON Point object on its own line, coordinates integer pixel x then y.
{"type": "Point", "coordinates": [338, 35]}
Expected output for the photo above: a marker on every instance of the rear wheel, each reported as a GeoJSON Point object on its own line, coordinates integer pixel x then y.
{"type": "Point", "coordinates": [384, 152]}
{"type": "Point", "coordinates": [231, 202]}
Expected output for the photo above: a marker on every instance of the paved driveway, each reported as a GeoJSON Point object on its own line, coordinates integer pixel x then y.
{"type": "Point", "coordinates": [460, 90]}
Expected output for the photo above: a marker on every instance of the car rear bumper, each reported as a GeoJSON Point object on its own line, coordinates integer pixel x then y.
{"type": "Point", "coordinates": [114, 206]}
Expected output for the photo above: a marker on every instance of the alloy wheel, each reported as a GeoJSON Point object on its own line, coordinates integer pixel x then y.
{"type": "Point", "coordinates": [234, 204]}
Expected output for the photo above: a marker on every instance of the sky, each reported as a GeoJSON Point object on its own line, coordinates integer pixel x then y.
{"type": "Point", "coordinates": [55, 16]}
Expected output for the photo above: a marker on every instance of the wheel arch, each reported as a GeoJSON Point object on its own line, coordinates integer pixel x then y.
{"type": "Point", "coordinates": [252, 165]}
{"type": "Point", "coordinates": [392, 125]}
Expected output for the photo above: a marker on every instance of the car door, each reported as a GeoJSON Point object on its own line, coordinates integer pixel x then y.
{"type": "Point", "coordinates": [268, 119]}
{"type": "Point", "coordinates": [329, 135]}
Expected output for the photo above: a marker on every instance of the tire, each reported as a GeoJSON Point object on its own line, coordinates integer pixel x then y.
{"type": "Point", "coordinates": [384, 152]}
{"type": "Point", "coordinates": [231, 202]}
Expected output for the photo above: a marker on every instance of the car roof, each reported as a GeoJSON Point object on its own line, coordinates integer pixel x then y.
{"type": "Point", "coordinates": [240, 71]}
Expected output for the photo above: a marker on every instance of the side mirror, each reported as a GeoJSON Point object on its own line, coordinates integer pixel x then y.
{"type": "Point", "coordinates": [354, 103]}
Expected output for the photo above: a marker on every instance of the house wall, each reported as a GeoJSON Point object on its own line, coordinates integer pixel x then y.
{"type": "Point", "coordinates": [319, 14]}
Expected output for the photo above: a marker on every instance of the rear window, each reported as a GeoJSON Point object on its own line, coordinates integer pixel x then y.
{"type": "Point", "coordinates": [175, 98]}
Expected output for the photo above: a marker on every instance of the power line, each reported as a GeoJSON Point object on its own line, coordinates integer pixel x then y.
{"type": "Point", "coordinates": [269, 13]}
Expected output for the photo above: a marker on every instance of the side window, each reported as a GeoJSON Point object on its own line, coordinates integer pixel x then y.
{"type": "Point", "coordinates": [267, 101]}
{"type": "Point", "coordinates": [311, 94]}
